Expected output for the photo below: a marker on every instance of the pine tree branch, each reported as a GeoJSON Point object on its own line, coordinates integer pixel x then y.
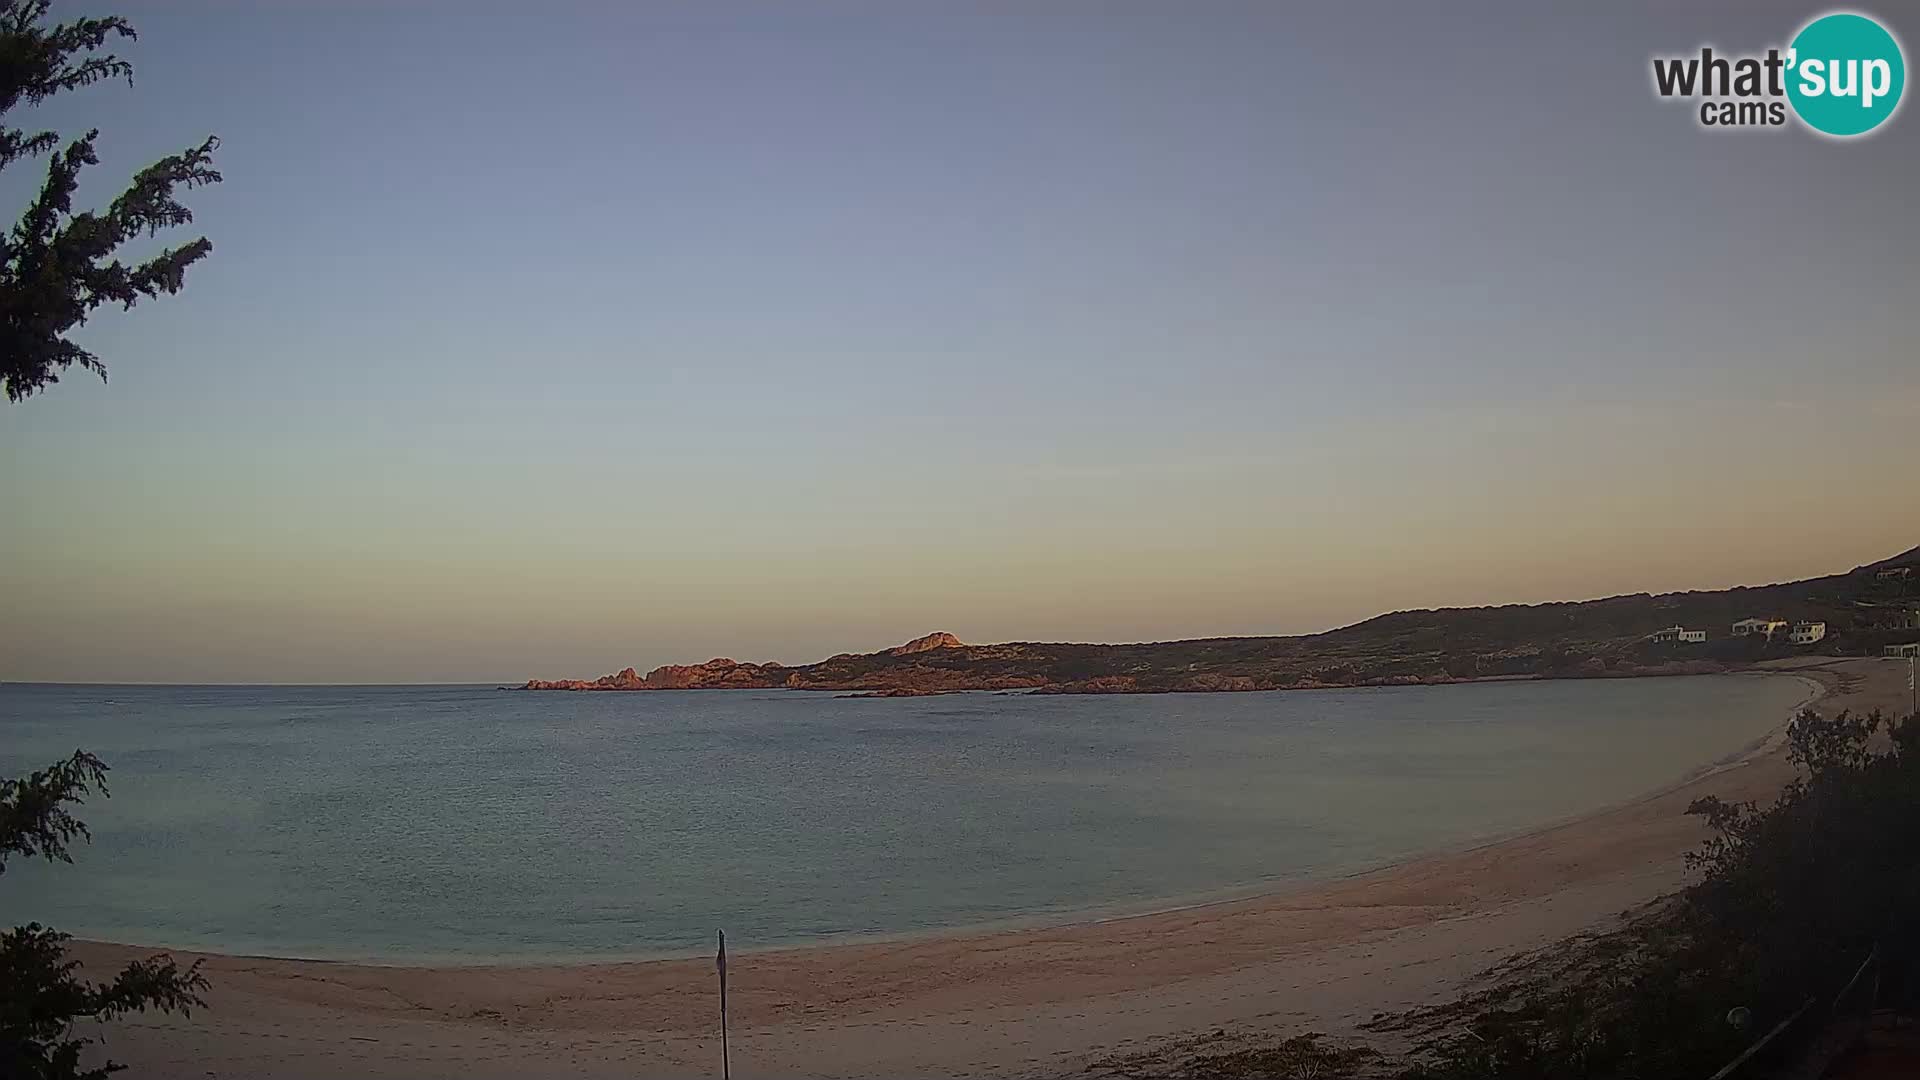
{"type": "Point", "coordinates": [34, 820]}
{"type": "Point", "coordinates": [38, 62]}
{"type": "Point", "coordinates": [55, 275]}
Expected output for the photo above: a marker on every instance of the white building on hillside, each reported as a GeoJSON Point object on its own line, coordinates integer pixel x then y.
{"type": "Point", "coordinates": [1671, 633]}
{"type": "Point", "coordinates": [1693, 637]}
{"type": "Point", "coordinates": [1806, 633]}
{"type": "Point", "coordinates": [1764, 627]}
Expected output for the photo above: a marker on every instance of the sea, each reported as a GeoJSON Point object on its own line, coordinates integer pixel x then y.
{"type": "Point", "coordinates": [467, 825]}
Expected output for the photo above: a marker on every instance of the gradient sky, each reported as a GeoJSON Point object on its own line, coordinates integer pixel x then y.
{"type": "Point", "coordinates": [545, 344]}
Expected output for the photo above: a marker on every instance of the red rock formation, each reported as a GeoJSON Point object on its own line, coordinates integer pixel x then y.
{"type": "Point", "coordinates": [718, 672]}
{"type": "Point", "coordinates": [938, 640]}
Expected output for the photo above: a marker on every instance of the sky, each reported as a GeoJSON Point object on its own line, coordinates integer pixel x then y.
{"type": "Point", "coordinates": [548, 342]}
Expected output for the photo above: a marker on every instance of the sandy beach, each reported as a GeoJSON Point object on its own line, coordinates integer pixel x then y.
{"type": "Point", "coordinates": [1034, 1002]}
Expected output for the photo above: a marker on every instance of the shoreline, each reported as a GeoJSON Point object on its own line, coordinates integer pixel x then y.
{"type": "Point", "coordinates": [1096, 914]}
{"type": "Point", "coordinates": [1004, 1002]}
{"type": "Point", "coordinates": [1082, 688]}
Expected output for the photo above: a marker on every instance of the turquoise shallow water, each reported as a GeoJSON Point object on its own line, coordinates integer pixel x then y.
{"type": "Point", "coordinates": [457, 824]}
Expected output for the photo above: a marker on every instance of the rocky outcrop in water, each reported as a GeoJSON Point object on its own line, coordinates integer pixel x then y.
{"type": "Point", "coordinates": [719, 672]}
{"type": "Point", "coordinates": [898, 691]}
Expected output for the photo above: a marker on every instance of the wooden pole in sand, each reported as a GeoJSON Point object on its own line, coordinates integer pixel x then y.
{"type": "Point", "coordinates": [720, 961]}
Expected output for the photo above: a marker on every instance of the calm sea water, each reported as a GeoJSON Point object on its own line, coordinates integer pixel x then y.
{"type": "Point", "coordinates": [463, 824]}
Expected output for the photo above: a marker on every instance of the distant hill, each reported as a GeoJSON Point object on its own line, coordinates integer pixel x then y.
{"type": "Point", "coordinates": [1863, 609]}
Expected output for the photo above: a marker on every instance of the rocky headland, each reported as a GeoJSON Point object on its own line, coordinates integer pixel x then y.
{"type": "Point", "coordinates": [1863, 610]}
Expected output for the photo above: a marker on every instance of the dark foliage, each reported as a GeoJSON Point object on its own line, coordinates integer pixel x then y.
{"type": "Point", "coordinates": [41, 992]}
{"type": "Point", "coordinates": [34, 819]}
{"type": "Point", "coordinates": [1791, 899]}
{"type": "Point", "coordinates": [56, 265]}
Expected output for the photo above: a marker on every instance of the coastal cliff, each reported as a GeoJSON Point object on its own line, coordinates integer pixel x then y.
{"type": "Point", "coordinates": [1862, 610]}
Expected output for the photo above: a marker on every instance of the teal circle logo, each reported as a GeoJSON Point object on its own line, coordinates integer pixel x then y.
{"type": "Point", "coordinates": [1845, 74]}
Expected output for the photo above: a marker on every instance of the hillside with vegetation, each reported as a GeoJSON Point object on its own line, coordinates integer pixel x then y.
{"type": "Point", "coordinates": [1863, 609]}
